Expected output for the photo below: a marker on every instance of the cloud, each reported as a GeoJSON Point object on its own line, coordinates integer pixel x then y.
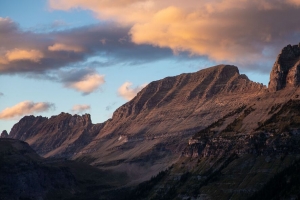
{"type": "Point", "coordinates": [1, 94]}
{"type": "Point", "coordinates": [294, 2]}
{"type": "Point", "coordinates": [85, 80]}
{"type": "Point", "coordinates": [223, 30]}
{"type": "Point", "coordinates": [23, 54]}
{"type": "Point", "coordinates": [127, 92]}
{"type": "Point", "coordinates": [80, 108]}
{"type": "Point", "coordinates": [64, 47]}
{"type": "Point", "coordinates": [25, 108]}
{"type": "Point", "coordinates": [88, 84]}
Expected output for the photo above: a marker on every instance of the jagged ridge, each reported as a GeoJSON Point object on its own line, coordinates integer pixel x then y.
{"type": "Point", "coordinates": [62, 133]}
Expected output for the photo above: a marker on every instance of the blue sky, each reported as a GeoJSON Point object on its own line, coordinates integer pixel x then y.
{"type": "Point", "coordinates": [92, 56]}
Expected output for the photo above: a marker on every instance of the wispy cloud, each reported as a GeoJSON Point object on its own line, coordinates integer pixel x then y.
{"type": "Point", "coordinates": [109, 107]}
{"type": "Point", "coordinates": [80, 108]}
{"type": "Point", "coordinates": [25, 108]}
{"type": "Point", "coordinates": [127, 92]}
{"type": "Point", "coordinates": [1, 94]}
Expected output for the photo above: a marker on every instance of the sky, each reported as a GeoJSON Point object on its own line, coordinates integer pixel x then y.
{"type": "Point", "coordinates": [92, 56]}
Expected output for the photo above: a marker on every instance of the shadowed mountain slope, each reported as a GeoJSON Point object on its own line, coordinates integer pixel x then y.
{"type": "Point", "coordinates": [26, 175]}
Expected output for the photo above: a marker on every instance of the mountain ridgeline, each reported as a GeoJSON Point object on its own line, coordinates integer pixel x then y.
{"type": "Point", "coordinates": [218, 134]}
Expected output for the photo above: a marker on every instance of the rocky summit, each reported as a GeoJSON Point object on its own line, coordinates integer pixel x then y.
{"type": "Point", "coordinates": [212, 134]}
{"type": "Point", "coordinates": [4, 134]}
{"type": "Point", "coordinates": [58, 136]}
{"type": "Point", "coordinates": [286, 70]}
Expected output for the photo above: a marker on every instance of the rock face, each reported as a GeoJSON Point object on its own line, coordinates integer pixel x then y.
{"type": "Point", "coordinates": [177, 98]}
{"type": "Point", "coordinates": [233, 164]}
{"type": "Point", "coordinates": [286, 70]}
{"type": "Point", "coordinates": [204, 84]}
{"type": "Point", "coordinates": [4, 134]}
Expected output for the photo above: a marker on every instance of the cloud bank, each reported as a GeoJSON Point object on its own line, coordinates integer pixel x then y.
{"type": "Point", "coordinates": [127, 92]}
{"type": "Point", "coordinates": [25, 108]}
{"type": "Point", "coordinates": [224, 30]}
{"type": "Point", "coordinates": [30, 52]}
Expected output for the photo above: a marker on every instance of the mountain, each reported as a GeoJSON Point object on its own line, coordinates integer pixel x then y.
{"type": "Point", "coordinates": [148, 132]}
{"type": "Point", "coordinates": [60, 135]}
{"type": "Point", "coordinates": [4, 134]}
{"type": "Point", "coordinates": [234, 164]}
{"type": "Point", "coordinates": [224, 135]}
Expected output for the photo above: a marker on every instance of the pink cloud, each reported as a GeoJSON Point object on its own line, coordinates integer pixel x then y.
{"type": "Point", "coordinates": [23, 54]}
{"type": "Point", "coordinates": [25, 108]}
{"type": "Point", "coordinates": [127, 92]}
{"type": "Point", "coordinates": [64, 47]}
{"type": "Point", "coordinates": [88, 83]}
{"type": "Point", "coordinates": [80, 108]}
{"type": "Point", "coordinates": [224, 30]}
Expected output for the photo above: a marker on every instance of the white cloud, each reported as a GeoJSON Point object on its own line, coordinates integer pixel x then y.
{"type": "Point", "coordinates": [127, 92]}
{"type": "Point", "coordinates": [25, 108]}
{"type": "Point", "coordinates": [80, 108]}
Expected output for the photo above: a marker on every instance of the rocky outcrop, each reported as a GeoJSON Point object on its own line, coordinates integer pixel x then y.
{"type": "Point", "coordinates": [286, 70]}
{"type": "Point", "coordinates": [4, 134]}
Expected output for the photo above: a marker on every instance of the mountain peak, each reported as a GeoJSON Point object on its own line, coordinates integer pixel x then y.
{"type": "Point", "coordinates": [4, 134]}
{"type": "Point", "coordinates": [189, 88]}
{"type": "Point", "coordinates": [286, 69]}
